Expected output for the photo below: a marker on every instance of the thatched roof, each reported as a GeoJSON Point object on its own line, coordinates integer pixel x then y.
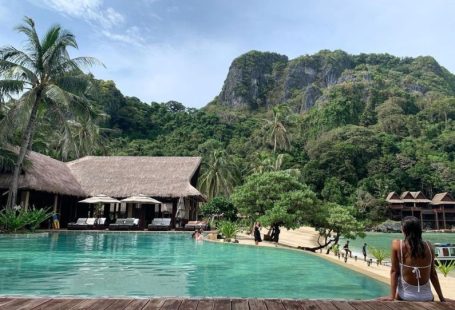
{"type": "Point", "coordinates": [393, 197]}
{"type": "Point", "coordinates": [124, 176]}
{"type": "Point", "coordinates": [43, 173]}
{"type": "Point", "coordinates": [443, 199]}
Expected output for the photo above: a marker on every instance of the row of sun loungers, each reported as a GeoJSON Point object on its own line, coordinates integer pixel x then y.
{"type": "Point", "coordinates": [88, 223]}
{"type": "Point", "coordinates": [131, 224]}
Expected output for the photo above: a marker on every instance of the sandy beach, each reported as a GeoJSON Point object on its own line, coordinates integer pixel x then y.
{"type": "Point", "coordinates": [307, 237]}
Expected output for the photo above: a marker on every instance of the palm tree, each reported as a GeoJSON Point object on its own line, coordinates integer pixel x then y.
{"type": "Point", "coordinates": [220, 175]}
{"type": "Point", "coordinates": [278, 135]}
{"type": "Point", "coordinates": [45, 78]}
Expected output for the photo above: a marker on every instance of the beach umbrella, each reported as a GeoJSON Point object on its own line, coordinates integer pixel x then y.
{"type": "Point", "coordinates": [141, 199]}
{"type": "Point", "coordinates": [100, 199]}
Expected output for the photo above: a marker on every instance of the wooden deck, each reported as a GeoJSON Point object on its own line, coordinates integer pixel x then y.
{"type": "Point", "coordinates": [213, 304]}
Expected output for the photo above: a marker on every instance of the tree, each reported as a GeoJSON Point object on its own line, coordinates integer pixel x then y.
{"type": "Point", "coordinates": [276, 128]}
{"type": "Point", "coordinates": [334, 221]}
{"type": "Point", "coordinates": [219, 175]}
{"type": "Point", "coordinates": [221, 207]}
{"type": "Point", "coordinates": [275, 198]}
{"type": "Point", "coordinates": [45, 77]}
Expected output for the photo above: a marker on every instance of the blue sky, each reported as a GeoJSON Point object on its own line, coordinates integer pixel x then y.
{"type": "Point", "coordinates": [160, 50]}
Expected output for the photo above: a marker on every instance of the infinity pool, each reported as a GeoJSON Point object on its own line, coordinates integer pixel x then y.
{"type": "Point", "coordinates": [143, 264]}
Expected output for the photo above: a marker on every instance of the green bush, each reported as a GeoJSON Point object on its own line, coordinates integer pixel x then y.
{"type": "Point", "coordinates": [379, 254]}
{"type": "Point", "coordinates": [445, 269]}
{"type": "Point", "coordinates": [14, 220]}
{"type": "Point", "coordinates": [228, 229]}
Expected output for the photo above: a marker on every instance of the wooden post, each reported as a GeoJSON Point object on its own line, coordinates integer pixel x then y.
{"type": "Point", "coordinates": [27, 199]}
{"type": "Point", "coordinates": [130, 210]}
{"type": "Point", "coordinates": [444, 216]}
{"type": "Point", "coordinates": [55, 203]}
{"type": "Point", "coordinates": [437, 219]}
{"type": "Point", "coordinates": [421, 219]}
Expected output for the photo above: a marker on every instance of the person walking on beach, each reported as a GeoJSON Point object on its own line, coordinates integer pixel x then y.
{"type": "Point", "coordinates": [413, 266]}
{"type": "Point", "coordinates": [346, 249]}
{"type": "Point", "coordinates": [275, 233]}
{"type": "Point", "coordinates": [257, 233]}
{"type": "Point", "coordinates": [364, 251]}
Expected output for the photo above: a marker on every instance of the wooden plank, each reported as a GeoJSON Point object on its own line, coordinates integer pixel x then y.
{"type": "Point", "coordinates": [137, 304]}
{"type": "Point", "coordinates": [120, 304]}
{"type": "Point", "coordinates": [359, 305]}
{"type": "Point", "coordinates": [222, 304]}
{"type": "Point", "coordinates": [257, 304]}
{"type": "Point", "coordinates": [274, 304]}
{"type": "Point", "coordinates": [32, 303]}
{"type": "Point", "coordinates": [379, 305]}
{"type": "Point", "coordinates": [189, 304]}
{"type": "Point", "coordinates": [239, 304]}
{"type": "Point", "coordinates": [154, 304]}
{"type": "Point", "coordinates": [309, 305]}
{"type": "Point", "coordinates": [342, 305]}
{"type": "Point", "coordinates": [205, 304]}
{"type": "Point", "coordinates": [5, 300]}
{"type": "Point", "coordinates": [171, 304]}
{"type": "Point", "coordinates": [290, 304]}
{"type": "Point", "coordinates": [59, 304]}
{"type": "Point", "coordinates": [15, 303]}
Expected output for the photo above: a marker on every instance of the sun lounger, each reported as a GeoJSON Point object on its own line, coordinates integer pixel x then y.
{"type": "Point", "coordinates": [89, 224]}
{"type": "Point", "coordinates": [160, 224]}
{"type": "Point", "coordinates": [100, 223]}
{"type": "Point", "coordinates": [192, 225]}
{"type": "Point", "coordinates": [80, 224]}
{"type": "Point", "coordinates": [124, 224]}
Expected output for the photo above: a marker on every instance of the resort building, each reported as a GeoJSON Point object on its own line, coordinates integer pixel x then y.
{"type": "Point", "coordinates": [438, 213]}
{"type": "Point", "coordinates": [46, 182]}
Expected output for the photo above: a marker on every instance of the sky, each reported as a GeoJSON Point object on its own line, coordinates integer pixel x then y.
{"type": "Point", "coordinates": [161, 50]}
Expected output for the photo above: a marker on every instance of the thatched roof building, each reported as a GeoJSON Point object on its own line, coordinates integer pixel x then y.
{"type": "Point", "coordinates": [45, 174]}
{"type": "Point", "coordinates": [115, 176]}
{"type": "Point", "coordinates": [443, 199]}
{"type": "Point", "coordinates": [124, 176]}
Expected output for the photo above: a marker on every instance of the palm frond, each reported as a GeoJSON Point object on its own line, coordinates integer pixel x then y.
{"type": "Point", "coordinates": [34, 45]}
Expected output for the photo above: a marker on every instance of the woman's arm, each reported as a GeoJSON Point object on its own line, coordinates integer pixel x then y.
{"type": "Point", "coordinates": [394, 270]}
{"type": "Point", "coordinates": [434, 278]}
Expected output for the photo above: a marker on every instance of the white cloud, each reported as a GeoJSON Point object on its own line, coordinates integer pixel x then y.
{"type": "Point", "coordinates": [91, 11]}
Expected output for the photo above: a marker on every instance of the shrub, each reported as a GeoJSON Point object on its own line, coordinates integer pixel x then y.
{"type": "Point", "coordinates": [228, 229]}
{"type": "Point", "coordinates": [16, 219]}
{"type": "Point", "coordinates": [445, 269]}
{"type": "Point", "coordinates": [379, 254]}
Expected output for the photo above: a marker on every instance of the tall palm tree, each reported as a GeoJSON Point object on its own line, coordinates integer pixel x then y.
{"type": "Point", "coordinates": [220, 175]}
{"type": "Point", "coordinates": [44, 77]}
{"type": "Point", "coordinates": [278, 135]}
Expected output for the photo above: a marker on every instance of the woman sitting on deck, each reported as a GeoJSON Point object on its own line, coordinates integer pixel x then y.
{"type": "Point", "coordinates": [413, 266]}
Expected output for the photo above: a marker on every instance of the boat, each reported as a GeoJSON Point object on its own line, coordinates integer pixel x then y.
{"type": "Point", "coordinates": [444, 252]}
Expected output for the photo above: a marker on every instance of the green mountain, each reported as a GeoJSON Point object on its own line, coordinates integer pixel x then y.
{"type": "Point", "coordinates": [354, 126]}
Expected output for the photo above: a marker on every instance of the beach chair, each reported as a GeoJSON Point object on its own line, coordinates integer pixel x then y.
{"type": "Point", "coordinates": [100, 223]}
{"type": "Point", "coordinates": [129, 224]}
{"type": "Point", "coordinates": [78, 225]}
{"type": "Point", "coordinates": [193, 225]}
{"type": "Point", "coordinates": [116, 225]}
{"type": "Point", "coordinates": [89, 224]}
{"type": "Point", "coordinates": [160, 224]}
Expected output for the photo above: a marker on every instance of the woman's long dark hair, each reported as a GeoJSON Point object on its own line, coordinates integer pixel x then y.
{"type": "Point", "coordinates": [413, 236]}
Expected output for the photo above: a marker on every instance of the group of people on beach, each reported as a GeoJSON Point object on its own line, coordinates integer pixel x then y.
{"type": "Point", "coordinates": [274, 233]}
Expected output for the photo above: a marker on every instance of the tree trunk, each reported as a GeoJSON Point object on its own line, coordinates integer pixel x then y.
{"type": "Point", "coordinates": [26, 141]}
{"type": "Point", "coordinates": [314, 249]}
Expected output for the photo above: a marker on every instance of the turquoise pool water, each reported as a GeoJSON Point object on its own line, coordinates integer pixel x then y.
{"type": "Point", "coordinates": [137, 264]}
{"type": "Point", "coordinates": [384, 240]}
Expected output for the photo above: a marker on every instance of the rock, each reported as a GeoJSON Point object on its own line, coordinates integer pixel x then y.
{"type": "Point", "coordinates": [388, 226]}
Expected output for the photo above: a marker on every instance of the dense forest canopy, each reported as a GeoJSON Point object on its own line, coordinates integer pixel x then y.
{"type": "Point", "coordinates": [351, 127]}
